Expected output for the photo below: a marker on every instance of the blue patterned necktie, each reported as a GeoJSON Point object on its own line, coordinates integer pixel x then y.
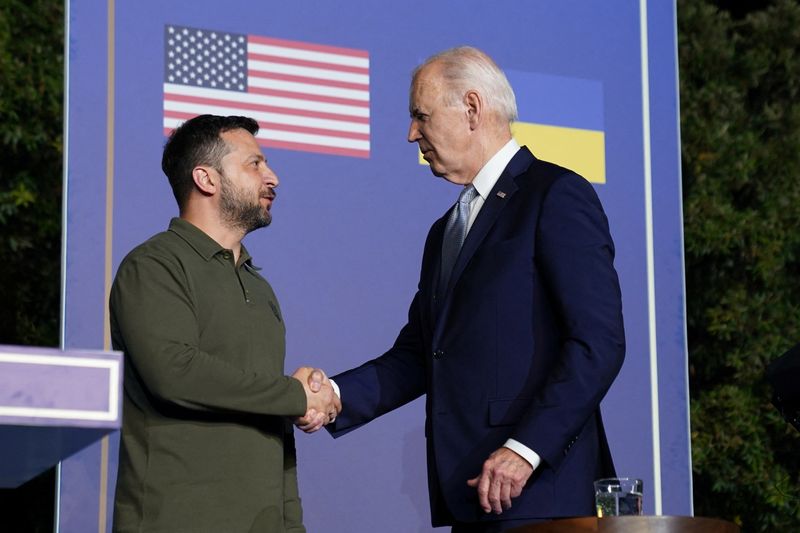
{"type": "Point", "coordinates": [454, 234]}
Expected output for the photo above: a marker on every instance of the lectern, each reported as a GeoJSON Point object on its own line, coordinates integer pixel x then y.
{"type": "Point", "coordinates": [632, 524]}
{"type": "Point", "coordinates": [52, 404]}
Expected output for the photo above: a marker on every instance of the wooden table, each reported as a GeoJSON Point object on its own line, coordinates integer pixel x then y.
{"type": "Point", "coordinates": [632, 524]}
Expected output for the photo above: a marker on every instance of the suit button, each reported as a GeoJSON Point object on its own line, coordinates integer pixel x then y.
{"type": "Point", "coordinates": [438, 354]}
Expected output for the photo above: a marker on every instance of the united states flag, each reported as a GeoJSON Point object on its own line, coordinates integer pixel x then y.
{"type": "Point", "coordinates": [305, 96]}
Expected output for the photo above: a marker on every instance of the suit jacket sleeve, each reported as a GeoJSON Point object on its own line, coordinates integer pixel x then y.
{"type": "Point", "coordinates": [574, 254]}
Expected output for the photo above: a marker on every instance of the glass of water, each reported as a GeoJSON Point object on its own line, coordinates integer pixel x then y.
{"type": "Point", "coordinates": [618, 496]}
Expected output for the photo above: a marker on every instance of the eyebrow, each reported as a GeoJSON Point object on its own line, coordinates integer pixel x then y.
{"type": "Point", "coordinates": [257, 156]}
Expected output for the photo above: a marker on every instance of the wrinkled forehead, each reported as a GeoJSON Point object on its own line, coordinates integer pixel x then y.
{"type": "Point", "coordinates": [430, 74]}
{"type": "Point", "coordinates": [427, 86]}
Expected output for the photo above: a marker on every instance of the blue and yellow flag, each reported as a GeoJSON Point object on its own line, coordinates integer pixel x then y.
{"type": "Point", "coordinates": [561, 121]}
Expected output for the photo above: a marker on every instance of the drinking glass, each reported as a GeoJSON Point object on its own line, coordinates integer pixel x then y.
{"type": "Point", "coordinates": [618, 496]}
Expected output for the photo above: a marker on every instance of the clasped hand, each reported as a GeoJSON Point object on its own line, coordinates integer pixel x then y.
{"type": "Point", "coordinates": [502, 478]}
{"type": "Point", "coordinates": [322, 403]}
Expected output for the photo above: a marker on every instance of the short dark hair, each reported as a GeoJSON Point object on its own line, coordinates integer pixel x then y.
{"type": "Point", "coordinates": [198, 141]}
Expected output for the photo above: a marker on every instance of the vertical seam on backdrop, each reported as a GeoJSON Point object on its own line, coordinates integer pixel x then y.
{"type": "Point", "coordinates": [102, 518]}
{"type": "Point", "coordinates": [64, 184]}
{"type": "Point", "coordinates": [109, 174]}
{"type": "Point", "coordinates": [682, 262]}
{"type": "Point", "coordinates": [103, 503]}
{"type": "Point", "coordinates": [62, 327]}
{"type": "Point", "coordinates": [651, 291]}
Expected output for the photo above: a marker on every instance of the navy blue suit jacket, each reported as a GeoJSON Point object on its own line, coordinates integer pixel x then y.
{"type": "Point", "coordinates": [523, 343]}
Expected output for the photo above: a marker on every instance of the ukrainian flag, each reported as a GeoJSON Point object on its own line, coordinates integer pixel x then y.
{"type": "Point", "coordinates": [561, 121]}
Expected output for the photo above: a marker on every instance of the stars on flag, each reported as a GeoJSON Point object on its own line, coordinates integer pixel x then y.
{"type": "Point", "coordinates": [206, 58]}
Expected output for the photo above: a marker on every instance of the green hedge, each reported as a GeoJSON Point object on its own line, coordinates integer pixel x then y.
{"type": "Point", "coordinates": [740, 128]}
{"type": "Point", "coordinates": [31, 93]}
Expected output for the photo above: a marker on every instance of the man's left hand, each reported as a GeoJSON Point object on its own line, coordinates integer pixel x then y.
{"type": "Point", "coordinates": [503, 476]}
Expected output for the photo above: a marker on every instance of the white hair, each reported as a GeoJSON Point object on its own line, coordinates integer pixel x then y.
{"type": "Point", "coordinates": [465, 69]}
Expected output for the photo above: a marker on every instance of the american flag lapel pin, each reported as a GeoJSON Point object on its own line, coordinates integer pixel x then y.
{"type": "Point", "coordinates": [501, 194]}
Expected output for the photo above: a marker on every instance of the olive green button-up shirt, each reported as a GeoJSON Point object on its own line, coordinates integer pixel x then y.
{"type": "Point", "coordinates": [206, 445]}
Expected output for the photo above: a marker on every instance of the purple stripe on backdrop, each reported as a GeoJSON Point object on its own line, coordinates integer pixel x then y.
{"type": "Point", "coordinates": [84, 190]}
{"type": "Point", "coordinates": [676, 467]}
{"type": "Point", "coordinates": [343, 284]}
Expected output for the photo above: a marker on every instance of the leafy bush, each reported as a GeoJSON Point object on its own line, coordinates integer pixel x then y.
{"type": "Point", "coordinates": [31, 108]}
{"type": "Point", "coordinates": [740, 128]}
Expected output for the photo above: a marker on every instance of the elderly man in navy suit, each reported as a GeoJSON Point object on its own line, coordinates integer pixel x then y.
{"type": "Point", "coordinates": [515, 333]}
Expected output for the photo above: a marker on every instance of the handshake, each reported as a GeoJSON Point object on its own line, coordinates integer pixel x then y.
{"type": "Point", "coordinates": [322, 402]}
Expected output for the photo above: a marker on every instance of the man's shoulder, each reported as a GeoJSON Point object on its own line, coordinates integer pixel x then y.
{"type": "Point", "coordinates": [540, 177]}
{"type": "Point", "coordinates": [540, 169]}
{"type": "Point", "coordinates": [165, 245]}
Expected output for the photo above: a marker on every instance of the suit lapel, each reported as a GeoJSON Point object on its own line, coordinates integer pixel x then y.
{"type": "Point", "coordinates": [432, 271]}
{"type": "Point", "coordinates": [501, 193]}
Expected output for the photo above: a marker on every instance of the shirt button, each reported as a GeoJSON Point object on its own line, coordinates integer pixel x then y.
{"type": "Point", "coordinates": [438, 354]}
{"type": "Point", "coordinates": [226, 255]}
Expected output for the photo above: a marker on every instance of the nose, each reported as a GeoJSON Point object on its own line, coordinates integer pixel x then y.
{"type": "Point", "coordinates": [413, 131]}
{"type": "Point", "coordinates": [270, 178]}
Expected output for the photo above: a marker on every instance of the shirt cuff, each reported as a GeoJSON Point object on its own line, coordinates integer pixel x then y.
{"type": "Point", "coordinates": [336, 390]}
{"type": "Point", "coordinates": [526, 453]}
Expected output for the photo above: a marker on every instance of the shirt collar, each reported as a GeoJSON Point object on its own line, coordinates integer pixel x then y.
{"type": "Point", "coordinates": [490, 173]}
{"type": "Point", "coordinates": [204, 245]}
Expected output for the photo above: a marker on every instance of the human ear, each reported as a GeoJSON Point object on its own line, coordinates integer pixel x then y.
{"type": "Point", "coordinates": [474, 106]}
{"type": "Point", "coordinates": [204, 180]}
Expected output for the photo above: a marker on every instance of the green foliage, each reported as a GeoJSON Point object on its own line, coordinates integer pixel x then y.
{"type": "Point", "coordinates": [740, 127]}
{"type": "Point", "coordinates": [31, 109]}
{"type": "Point", "coordinates": [31, 94]}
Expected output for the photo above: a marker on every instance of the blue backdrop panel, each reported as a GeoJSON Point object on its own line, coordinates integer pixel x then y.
{"type": "Point", "coordinates": [353, 208]}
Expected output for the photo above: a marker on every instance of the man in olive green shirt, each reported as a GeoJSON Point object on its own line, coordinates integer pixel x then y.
{"type": "Point", "coordinates": [207, 442]}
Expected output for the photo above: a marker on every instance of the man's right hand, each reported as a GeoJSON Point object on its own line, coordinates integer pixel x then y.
{"type": "Point", "coordinates": [322, 403]}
